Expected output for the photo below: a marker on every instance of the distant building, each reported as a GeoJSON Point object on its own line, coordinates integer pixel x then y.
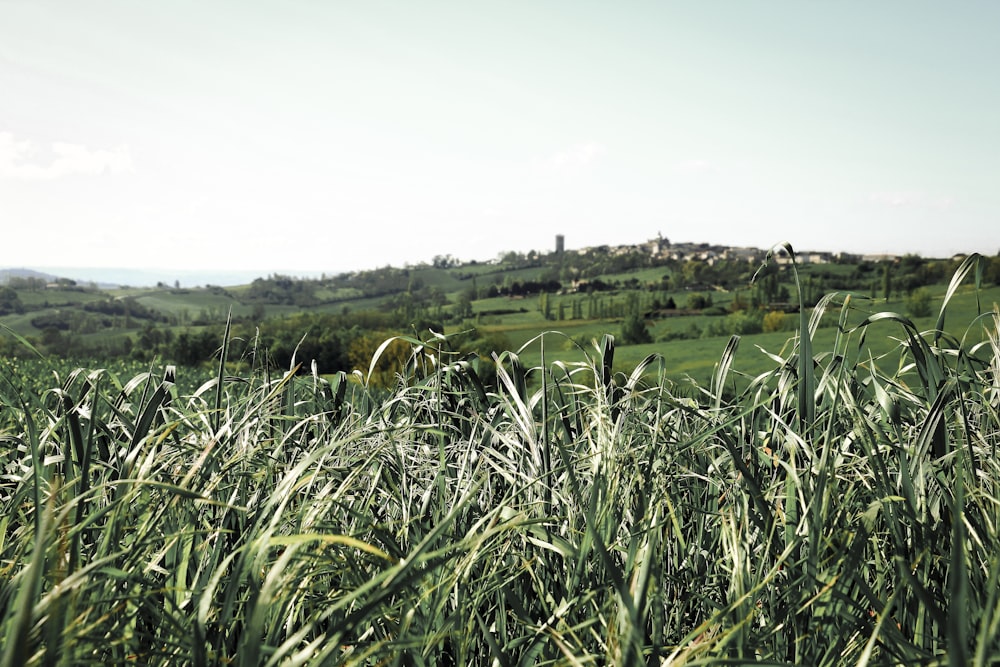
{"type": "Point", "coordinates": [560, 244]}
{"type": "Point", "coordinates": [876, 258]}
{"type": "Point", "coordinates": [659, 246]}
{"type": "Point", "coordinates": [816, 258]}
{"type": "Point", "coordinates": [749, 255]}
{"type": "Point", "coordinates": [807, 257]}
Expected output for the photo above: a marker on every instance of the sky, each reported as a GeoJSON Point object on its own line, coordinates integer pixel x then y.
{"type": "Point", "coordinates": [310, 136]}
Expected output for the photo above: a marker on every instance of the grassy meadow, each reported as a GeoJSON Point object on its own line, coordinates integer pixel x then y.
{"type": "Point", "coordinates": [692, 361]}
{"type": "Point", "coordinates": [836, 504]}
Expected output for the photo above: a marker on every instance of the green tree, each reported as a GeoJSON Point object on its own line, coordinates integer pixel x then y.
{"type": "Point", "coordinates": [10, 302]}
{"type": "Point", "coordinates": [545, 305]}
{"type": "Point", "coordinates": [739, 302]}
{"type": "Point", "coordinates": [463, 306]}
{"type": "Point", "coordinates": [694, 271]}
{"type": "Point", "coordinates": [53, 340]}
{"type": "Point", "coordinates": [992, 272]}
{"type": "Point", "coordinates": [634, 330]}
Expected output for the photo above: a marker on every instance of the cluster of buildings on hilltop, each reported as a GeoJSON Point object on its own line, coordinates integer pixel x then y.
{"type": "Point", "coordinates": [662, 248]}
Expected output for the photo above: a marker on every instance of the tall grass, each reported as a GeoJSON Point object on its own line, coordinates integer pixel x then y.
{"type": "Point", "coordinates": [837, 511]}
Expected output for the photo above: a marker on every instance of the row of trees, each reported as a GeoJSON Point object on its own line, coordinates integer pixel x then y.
{"type": "Point", "coordinates": [335, 342]}
{"type": "Point", "coordinates": [36, 283]}
{"type": "Point", "coordinates": [95, 316]}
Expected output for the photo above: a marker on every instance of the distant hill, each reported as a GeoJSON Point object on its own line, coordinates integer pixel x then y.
{"type": "Point", "coordinates": [7, 274]}
{"type": "Point", "coordinates": [117, 277]}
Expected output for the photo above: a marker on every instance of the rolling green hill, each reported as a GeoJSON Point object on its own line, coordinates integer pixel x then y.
{"type": "Point", "coordinates": [687, 308]}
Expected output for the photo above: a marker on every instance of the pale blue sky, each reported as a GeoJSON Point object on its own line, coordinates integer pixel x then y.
{"type": "Point", "coordinates": [332, 136]}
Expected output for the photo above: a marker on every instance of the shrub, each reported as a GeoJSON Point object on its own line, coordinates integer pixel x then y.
{"type": "Point", "coordinates": [773, 321]}
{"type": "Point", "coordinates": [699, 301]}
{"type": "Point", "coordinates": [692, 332]}
{"type": "Point", "coordinates": [741, 323]}
{"type": "Point", "coordinates": [918, 304]}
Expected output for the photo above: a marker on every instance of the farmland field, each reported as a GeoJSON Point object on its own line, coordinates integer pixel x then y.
{"type": "Point", "coordinates": [834, 509]}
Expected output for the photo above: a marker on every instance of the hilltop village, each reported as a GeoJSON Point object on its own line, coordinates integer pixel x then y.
{"type": "Point", "coordinates": [660, 248]}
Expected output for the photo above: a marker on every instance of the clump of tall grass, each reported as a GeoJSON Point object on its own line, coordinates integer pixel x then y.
{"type": "Point", "coordinates": [841, 509]}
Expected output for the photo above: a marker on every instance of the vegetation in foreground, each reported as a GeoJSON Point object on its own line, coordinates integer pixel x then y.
{"type": "Point", "coordinates": [842, 509]}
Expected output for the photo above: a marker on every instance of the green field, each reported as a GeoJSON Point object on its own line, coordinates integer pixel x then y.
{"type": "Point", "coordinates": [836, 504]}
{"type": "Point", "coordinates": [696, 358]}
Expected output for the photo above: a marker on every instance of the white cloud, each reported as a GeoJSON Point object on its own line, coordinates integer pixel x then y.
{"type": "Point", "coordinates": [20, 160]}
